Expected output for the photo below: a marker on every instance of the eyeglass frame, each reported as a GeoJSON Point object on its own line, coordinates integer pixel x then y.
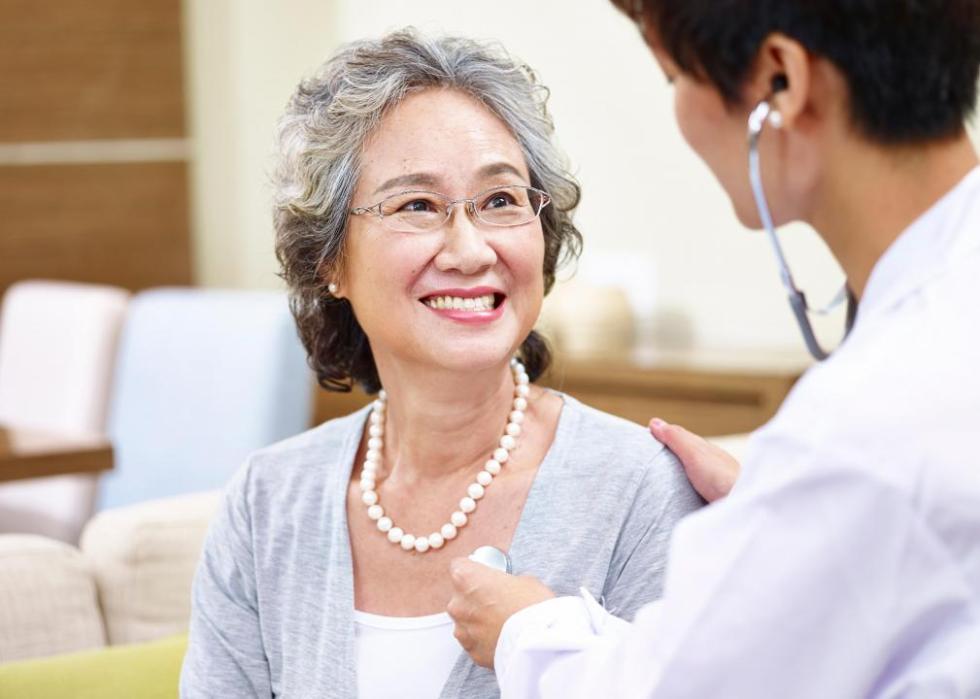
{"type": "Point", "coordinates": [450, 203]}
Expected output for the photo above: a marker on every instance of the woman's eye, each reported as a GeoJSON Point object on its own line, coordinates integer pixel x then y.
{"type": "Point", "coordinates": [499, 200]}
{"type": "Point", "coordinates": [417, 206]}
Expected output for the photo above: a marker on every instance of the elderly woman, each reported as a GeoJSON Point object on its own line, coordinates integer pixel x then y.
{"type": "Point", "coordinates": [422, 210]}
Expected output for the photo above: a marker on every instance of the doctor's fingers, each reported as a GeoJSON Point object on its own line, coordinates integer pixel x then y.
{"type": "Point", "coordinates": [710, 469]}
{"type": "Point", "coordinates": [469, 576]}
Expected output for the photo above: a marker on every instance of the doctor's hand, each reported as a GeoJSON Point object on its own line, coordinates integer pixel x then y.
{"type": "Point", "coordinates": [711, 470]}
{"type": "Point", "coordinates": [483, 599]}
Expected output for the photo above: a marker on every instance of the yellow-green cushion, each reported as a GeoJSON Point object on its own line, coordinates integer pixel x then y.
{"type": "Point", "coordinates": [137, 671]}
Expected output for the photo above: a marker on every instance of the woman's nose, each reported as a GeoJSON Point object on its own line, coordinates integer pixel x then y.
{"type": "Point", "coordinates": [465, 248]}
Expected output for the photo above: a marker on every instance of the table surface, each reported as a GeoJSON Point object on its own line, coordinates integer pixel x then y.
{"type": "Point", "coordinates": [29, 453]}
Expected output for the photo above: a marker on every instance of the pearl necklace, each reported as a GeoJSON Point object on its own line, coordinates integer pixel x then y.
{"type": "Point", "coordinates": [475, 491]}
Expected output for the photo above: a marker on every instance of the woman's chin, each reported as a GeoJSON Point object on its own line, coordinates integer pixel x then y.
{"type": "Point", "coordinates": [468, 356]}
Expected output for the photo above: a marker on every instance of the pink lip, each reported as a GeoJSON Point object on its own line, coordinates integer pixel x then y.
{"type": "Point", "coordinates": [468, 317]}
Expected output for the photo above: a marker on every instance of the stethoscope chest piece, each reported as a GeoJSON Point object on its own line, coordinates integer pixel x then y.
{"type": "Point", "coordinates": [493, 557]}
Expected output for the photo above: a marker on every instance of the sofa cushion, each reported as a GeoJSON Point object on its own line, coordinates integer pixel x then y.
{"type": "Point", "coordinates": [143, 558]}
{"type": "Point", "coordinates": [138, 671]}
{"type": "Point", "coordinates": [48, 599]}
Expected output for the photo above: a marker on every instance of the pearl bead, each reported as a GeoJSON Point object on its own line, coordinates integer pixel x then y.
{"type": "Point", "coordinates": [475, 491]}
{"type": "Point", "coordinates": [436, 540]}
{"type": "Point", "coordinates": [384, 524]}
{"type": "Point", "coordinates": [514, 361]}
{"type": "Point", "coordinates": [508, 442]}
{"type": "Point", "coordinates": [520, 403]}
{"type": "Point", "coordinates": [484, 478]}
{"type": "Point", "coordinates": [376, 431]}
{"type": "Point", "coordinates": [407, 542]}
{"type": "Point", "coordinates": [492, 467]}
{"type": "Point", "coordinates": [367, 485]}
{"type": "Point", "coordinates": [513, 429]}
{"type": "Point", "coordinates": [422, 544]}
{"type": "Point", "coordinates": [467, 505]}
{"type": "Point", "coordinates": [372, 456]}
{"type": "Point", "coordinates": [395, 535]}
{"type": "Point", "coordinates": [459, 519]}
{"type": "Point", "coordinates": [517, 416]}
{"type": "Point", "coordinates": [369, 498]}
{"type": "Point", "coordinates": [500, 455]}
{"type": "Point", "coordinates": [377, 419]}
{"type": "Point", "coordinates": [374, 443]}
{"type": "Point", "coordinates": [383, 395]}
{"type": "Point", "coordinates": [378, 406]}
{"type": "Point", "coordinates": [521, 390]}
{"type": "Point", "coordinates": [521, 378]}
{"type": "Point", "coordinates": [375, 512]}
{"type": "Point", "coordinates": [448, 531]}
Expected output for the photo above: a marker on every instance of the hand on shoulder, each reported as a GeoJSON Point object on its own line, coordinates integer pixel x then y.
{"type": "Point", "coordinates": [711, 470]}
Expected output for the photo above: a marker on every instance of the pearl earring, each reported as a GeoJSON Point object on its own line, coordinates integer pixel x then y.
{"type": "Point", "coordinates": [775, 119]}
{"type": "Point", "coordinates": [332, 288]}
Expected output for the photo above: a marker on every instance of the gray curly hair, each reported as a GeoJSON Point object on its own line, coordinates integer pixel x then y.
{"type": "Point", "coordinates": [320, 138]}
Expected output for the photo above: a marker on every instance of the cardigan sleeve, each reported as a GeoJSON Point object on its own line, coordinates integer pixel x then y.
{"type": "Point", "coordinates": [225, 654]}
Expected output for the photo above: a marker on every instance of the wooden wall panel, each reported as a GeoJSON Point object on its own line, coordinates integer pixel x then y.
{"type": "Point", "coordinates": [123, 224]}
{"type": "Point", "coordinates": [90, 69]}
{"type": "Point", "coordinates": [710, 401]}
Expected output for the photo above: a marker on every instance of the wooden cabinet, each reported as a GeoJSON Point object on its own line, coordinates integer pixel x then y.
{"type": "Point", "coordinates": [709, 393]}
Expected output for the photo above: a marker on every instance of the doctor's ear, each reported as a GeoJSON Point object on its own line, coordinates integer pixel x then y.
{"type": "Point", "coordinates": [782, 75]}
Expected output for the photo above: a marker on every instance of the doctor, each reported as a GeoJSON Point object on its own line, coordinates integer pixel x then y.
{"type": "Point", "coordinates": [845, 562]}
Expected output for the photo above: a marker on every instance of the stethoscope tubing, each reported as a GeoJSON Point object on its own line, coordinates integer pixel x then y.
{"type": "Point", "coordinates": [797, 299]}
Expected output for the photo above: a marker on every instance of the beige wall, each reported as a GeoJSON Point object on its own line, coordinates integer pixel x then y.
{"type": "Point", "coordinates": [244, 58]}
{"type": "Point", "coordinates": [651, 213]}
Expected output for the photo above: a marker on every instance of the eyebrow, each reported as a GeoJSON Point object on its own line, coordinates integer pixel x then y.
{"type": "Point", "coordinates": [414, 178]}
{"type": "Point", "coordinates": [427, 179]}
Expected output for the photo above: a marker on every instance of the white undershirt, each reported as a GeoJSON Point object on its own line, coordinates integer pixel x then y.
{"type": "Point", "coordinates": [408, 657]}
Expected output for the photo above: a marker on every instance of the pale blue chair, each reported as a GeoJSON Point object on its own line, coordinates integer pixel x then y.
{"type": "Point", "coordinates": [203, 378]}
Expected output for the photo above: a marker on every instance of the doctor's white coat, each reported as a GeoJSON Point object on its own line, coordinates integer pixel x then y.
{"type": "Point", "coordinates": [846, 561]}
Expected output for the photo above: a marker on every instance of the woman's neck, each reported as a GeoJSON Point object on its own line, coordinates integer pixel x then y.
{"type": "Point", "coordinates": [871, 194]}
{"type": "Point", "coordinates": [440, 422]}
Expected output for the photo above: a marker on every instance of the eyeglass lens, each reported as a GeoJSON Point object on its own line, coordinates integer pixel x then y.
{"type": "Point", "coordinates": [424, 211]}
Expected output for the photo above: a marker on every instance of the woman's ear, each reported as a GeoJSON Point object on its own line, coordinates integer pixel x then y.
{"type": "Point", "coordinates": [782, 75]}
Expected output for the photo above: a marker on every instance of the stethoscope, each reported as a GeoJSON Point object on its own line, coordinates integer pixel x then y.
{"type": "Point", "coordinates": [760, 116]}
{"type": "Point", "coordinates": [493, 557]}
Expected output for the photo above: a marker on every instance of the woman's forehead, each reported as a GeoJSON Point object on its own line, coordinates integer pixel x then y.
{"type": "Point", "coordinates": [444, 134]}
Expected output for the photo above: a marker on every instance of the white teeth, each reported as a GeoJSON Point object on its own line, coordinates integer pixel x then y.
{"type": "Point", "coordinates": [458, 303]}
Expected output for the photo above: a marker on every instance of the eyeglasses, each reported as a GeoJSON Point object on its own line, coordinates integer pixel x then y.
{"type": "Point", "coordinates": [420, 211]}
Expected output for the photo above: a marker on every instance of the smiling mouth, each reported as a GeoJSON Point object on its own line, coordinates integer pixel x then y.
{"type": "Point", "coordinates": [474, 304]}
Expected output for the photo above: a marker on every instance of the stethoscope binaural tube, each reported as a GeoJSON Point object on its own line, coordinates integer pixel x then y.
{"type": "Point", "coordinates": [797, 300]}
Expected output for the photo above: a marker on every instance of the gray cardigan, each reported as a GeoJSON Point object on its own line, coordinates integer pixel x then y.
{"type": "Point", "coordinates": [273, 595]}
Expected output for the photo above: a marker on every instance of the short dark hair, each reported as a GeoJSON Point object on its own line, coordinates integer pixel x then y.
{"type": "Point", "coordinates": [320, 137]}
{"type": "Point", "coordinates": [911, 66]}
